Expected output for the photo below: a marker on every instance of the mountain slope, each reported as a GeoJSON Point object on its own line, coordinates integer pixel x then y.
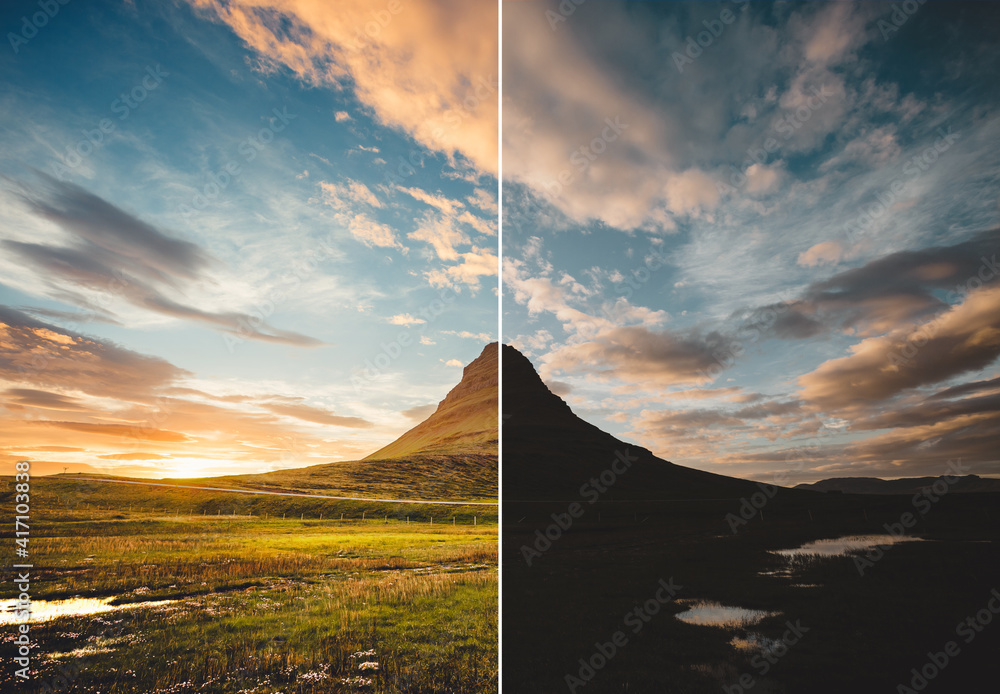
{"type": "Point", "coordinates": [550, 453]}
{"type": "Point", "coordinates": [452, 455]}
{"type": "Point", "coordinates": [465, 421]}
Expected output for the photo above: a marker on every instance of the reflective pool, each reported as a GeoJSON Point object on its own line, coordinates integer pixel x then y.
{"type": "Point", "coordinates": [841, 546]}
{"type": "Point", "coordinates": [716, 615]}
{"type": "Point", "coordinates": [47, 610]}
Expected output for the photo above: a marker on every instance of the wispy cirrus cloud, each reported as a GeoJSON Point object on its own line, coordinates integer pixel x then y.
{"type": "Point", "coordinates": [106, 252]}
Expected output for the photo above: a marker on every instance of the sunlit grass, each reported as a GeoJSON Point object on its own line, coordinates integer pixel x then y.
{"type": "Point", "coordinates": [267, 605]}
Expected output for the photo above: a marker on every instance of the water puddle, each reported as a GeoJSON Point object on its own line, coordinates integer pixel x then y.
{"type": "Point", "coordinates": [842, 546]}
{"type": "Point", "coordinates": [752, 641]}
{"type": "Point", "coordinates": [715, 615]}
{"type": "Point", "coordinates": [47, 610]}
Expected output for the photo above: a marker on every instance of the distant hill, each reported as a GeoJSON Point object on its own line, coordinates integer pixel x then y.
{"type": "Point", "coordinates": [549, 452]}
{"type": "Point", "coordinates": [906, 485]}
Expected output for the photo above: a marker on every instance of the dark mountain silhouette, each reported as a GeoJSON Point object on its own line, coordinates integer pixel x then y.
{"type": "Point", "coordinates": [549, 453]}
{"type": "Point", "coordinates": [906, 485]}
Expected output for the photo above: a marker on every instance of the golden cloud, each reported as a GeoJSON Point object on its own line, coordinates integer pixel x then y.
{"type": "Point", "coordinates": [427, 67]}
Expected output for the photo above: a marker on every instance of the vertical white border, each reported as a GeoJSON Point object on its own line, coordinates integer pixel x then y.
{"type": "Point", "coordinates": [500, 347]}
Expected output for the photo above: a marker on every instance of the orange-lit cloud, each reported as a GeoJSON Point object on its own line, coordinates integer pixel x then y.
{"type": "Point", "coordinates": [104, 408]}
{"type": "Point", "coordinates": [637, 354]}
{"type": "Point", "coordinates": [965, 338]}
{"type": "Point", "coordinates": [316, 415]}
{"type": "Point", "coordinates": [144, 433]}
{"type": "Point", "coordinates": [134, 456]}
{"type": "Point", "coordinates": [30, 355]}
{"type": "Point", "coordinates": [40, 399]}
{"type": "Point", "coordinates": [427, 67]}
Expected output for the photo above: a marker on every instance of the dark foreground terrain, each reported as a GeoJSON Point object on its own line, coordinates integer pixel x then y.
{"type": "Point", "coordinates": [869, 620]}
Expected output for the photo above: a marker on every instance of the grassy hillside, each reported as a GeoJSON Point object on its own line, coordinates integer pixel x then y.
{"type": "Point", "coordinates": [465, 421]}
{"type": "Point", "coordinates": [460, 476]}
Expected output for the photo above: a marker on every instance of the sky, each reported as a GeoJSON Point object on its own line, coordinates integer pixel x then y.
{"type": "Point", "coordinates": [760, 238]}
{"type": "Point", "coordinates": [241, 236]}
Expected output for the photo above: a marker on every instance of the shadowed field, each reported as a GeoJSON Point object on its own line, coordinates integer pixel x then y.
{"type": "Point", "coordinates": [865, 631]}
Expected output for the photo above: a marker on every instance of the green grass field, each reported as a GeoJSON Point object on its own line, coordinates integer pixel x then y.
{"type": "Point", "coordinates": [260, 604]}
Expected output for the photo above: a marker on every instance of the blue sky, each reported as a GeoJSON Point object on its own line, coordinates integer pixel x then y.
{"type": "Point", "coordinates": [235, 239]}
{"type": "Point", "coordinates": [757, 237]}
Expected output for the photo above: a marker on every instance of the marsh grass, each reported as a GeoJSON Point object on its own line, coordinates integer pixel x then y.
{"type": "Point", "coordinates": [264, 606]}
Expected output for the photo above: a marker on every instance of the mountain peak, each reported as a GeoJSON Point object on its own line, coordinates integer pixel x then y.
{"type": "Point", "coordinates": [466, 421]}
{"type": "Point", "coordinates": [549, 452]}
{"type": "Point", "coordinates": [527, 394]}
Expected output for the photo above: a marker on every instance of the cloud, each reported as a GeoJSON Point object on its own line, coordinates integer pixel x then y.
{"type": "Point", "coordinates": [316, 415]}
{"type": "Point", "coordinates": [479, 262]}
{"type": "Point", "coordinates": [684, 128]}
{"type": "Point", "coordinates": [962, 340]}
{"type": "Point", "coordinates": [40, 399]}
{"type": "Point", "coordinates": [886, 292]}
{"type": "Point", "coordinates": [484, 200]}
{"type": "Point", "coordinates": [729, 393]}
{"type": "Point", "coordinates": [442, 203]}
{"type": "Point", "coordinates": [918, 436]}
{"type": "Point", "coordinates": [477, 223]}
{"type": "Point", "coordinates": [825, 253]}
{"type": "Point", "coordinates": [638, 355]}
{"type": "Point", "coordinates": [134, 388]}
{"type": "Point", "coordinates": [426, 67]}
{"type": "Point", "coordinates": [442, 235]}
{"type": "Point", "coordinates": [453, 362]}
{"type": "Point", "coordinates": [831, 33]}
{"type": "Point", "coordinates": [39, 354]}
{"type": "Point", "coordinates": [420, 412]}
{"type": "Point", "coordinates": [405, 319]}
{"type": "Point", "coordinates": [132, 431]}
{"type": "Point", "coordinates": [560, 388]}
{"type": "Point", "coordinates": [340, 195]}
{"type": "Point", "coordinates": [53, 449]}
{"type": "Point", "coordinates": [556, 118]}
{"type": "Point", "coordinates": [762, 179]}
{"type": "Point", "coordinates": [341, 116]}
{"type": "Point", "coordinates": [345, 199]}
{"type": "Point", "coordinates": [972, 388]}
{"type": "Point", "coordinates": [134, 456]}
{"type": "Point", "coordinates": [372, 233]}
{"type": "Point", "coordinates": [482, 337]}
{"type": "Point", "coordinates": [110, 253]}
{"type": "Point", "coordinates": [99, 224]}
{"type": "Point", "coordinates": [690, 191]}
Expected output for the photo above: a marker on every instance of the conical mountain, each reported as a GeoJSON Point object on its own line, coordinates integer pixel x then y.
{"type": "Point", "coordinates": [466, 421]}
{"type": "Point", "coordinates": [451, 455]}
{"type": "Point", "coordinates": [549, 453]}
